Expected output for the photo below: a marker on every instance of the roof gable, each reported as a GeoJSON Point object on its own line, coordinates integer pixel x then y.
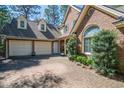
{"type": "Point", "coordinates": [111, 12]}
{"type": "Point", "coordinates": [67, 11]}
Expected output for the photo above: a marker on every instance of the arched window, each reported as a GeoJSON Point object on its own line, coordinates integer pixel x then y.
{"type": "Point", "coordinates": [88, 35]}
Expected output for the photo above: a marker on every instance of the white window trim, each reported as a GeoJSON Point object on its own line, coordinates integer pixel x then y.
{"type": "Point", "coordinates": [44, 27]}
{"type": "Point", "coordinates": [67, 28]}
{"type": "Point", "coordinates": [19, 24]}
{"type": "Point", "coordinates": [87, 53]}
{"type": "Point", "coordinates": [73, 23]}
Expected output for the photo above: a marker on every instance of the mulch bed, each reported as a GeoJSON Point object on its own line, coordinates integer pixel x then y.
{"type": "Point", "coordinates": [117, 77]}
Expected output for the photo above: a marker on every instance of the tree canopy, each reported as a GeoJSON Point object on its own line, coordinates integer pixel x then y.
{"type": "Point", "coordinates": [52, 14]}
{"type": "Point", "coordinates": [4, 16]}
{"type": "Point", "coordinates": [27, 10]}
{"type": "Point", "coordinates": [63, 9]}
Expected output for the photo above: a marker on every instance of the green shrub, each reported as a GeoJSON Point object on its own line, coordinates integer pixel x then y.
{"type": "Point", "coordinates": [73, 57]}
{"type": "Point", "coordinates": [104, 52]}
{"type": "Point", "coordinates": [79, 59]}
{"type": "Point", "coordinates": [2, 48]}
{"type": "Point", "coordinates": [71, 46]}
{"type": "Point", "coordinates": [89, 61]}
{"type": "Point", "coordinates": [84, 60]}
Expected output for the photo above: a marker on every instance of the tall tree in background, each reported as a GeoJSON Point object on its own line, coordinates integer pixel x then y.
{"type": "Point", "coordinates": [63, 9]}
{"type": "Point", "coordinates": [4, 16]}
{"type": "Point", "coordinates": [52, 15]}
{"type": "Point", "coordinates": [27, 10]}
{"type": "Point", "coordinates": [4, 19]}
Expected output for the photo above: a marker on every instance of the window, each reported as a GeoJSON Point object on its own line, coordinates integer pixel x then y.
{"type": "Point", "coordinates": [73, 23]}
{"type": "Point", "coordinates": [66, 29]}
{"type": "Point", "coordinates": [87, 45]}
{"type": "Point", "coordinates": [22, 24]}
{"type": "Point", "coordinates": [42, 27]}
{"type": "Point", "coordinates": [88, 35]}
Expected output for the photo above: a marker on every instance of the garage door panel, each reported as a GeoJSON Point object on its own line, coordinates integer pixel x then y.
{"type": "Point", "coordinates": [20, 48]}
{"type": "Point", "coordinates": [43, 48]}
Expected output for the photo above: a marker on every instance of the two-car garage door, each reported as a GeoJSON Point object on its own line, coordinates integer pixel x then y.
{"type": "Point", "coordinates": [22, 48]}
{"type": "Point", "coordinates": [43, 48]}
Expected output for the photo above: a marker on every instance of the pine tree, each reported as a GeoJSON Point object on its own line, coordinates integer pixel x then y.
{"type": "Point", "coordinates": [4, 16]}
{"type": "Point", "coordinates": [52, 15]}
{"type": "Point", "coordinates": [4, 19]}
{"type": "Point", "coordinates": [63, 9]}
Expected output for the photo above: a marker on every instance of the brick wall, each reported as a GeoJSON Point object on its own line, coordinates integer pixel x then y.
{"type": "Point", "coordinates": [72, 15]}
{"type": "Point", "coordinates": [103, 21]}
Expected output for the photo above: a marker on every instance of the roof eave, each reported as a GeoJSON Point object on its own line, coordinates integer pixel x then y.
{"type": "Point", "coordinates": [24, 38]}
{"type": "Point", "coordinates": [75, 8]}
{"type": "Point", "coordinates": [119, 24]}
{"type": "Point", "coordinates": [82, 15]}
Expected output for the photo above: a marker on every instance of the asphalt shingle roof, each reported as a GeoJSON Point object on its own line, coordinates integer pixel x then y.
{"type": "Point", "coordinates": [31, 31]}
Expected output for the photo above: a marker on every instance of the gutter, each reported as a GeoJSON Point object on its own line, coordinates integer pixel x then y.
{"type": "Point", "coordinates": [20, 38]}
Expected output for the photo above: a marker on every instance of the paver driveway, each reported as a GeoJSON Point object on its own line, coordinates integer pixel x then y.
{"type": "Point", "coordinates": [73, 75]}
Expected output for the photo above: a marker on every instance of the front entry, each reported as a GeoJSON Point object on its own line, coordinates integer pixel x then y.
{"type": "Point", "coordinates": [55, 47]}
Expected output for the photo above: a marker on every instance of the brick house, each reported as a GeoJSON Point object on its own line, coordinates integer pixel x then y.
{"type": "Point", "coordinates": [70, 18]}
{"type": "Point", "coordinates": [94, 18]}
{"type": "Point", "coordinates": [26, 38]}
{"type": "Point", "coordinates": [45, 39]}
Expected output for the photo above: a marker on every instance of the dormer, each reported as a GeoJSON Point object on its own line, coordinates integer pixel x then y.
{"type": "Point", "coordinates": [21, 22]}
{"type": "Point", "coordinates": [42, 25]}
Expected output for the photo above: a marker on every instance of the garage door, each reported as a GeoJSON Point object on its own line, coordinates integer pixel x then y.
{"type": "Point", "coordinates": [43, 48]}
{"type": "Point", "coordinates": [20, 48]}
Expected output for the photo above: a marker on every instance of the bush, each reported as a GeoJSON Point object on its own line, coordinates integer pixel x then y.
{"type": "Point", "coordinates": [73, 57]}
{"type": "Point", "coordinates": [84, 60]}
{"type": "Point", "coordinates": [79, 59]}
{"type": "Point", "coordinates": [71, 46]}
{"type": "Point", "coordinates": [104, 53]}
{"type": "Point", "coordinates": [89, 61]}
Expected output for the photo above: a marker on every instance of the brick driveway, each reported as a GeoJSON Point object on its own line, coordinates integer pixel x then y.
{"type": "Point", "coordinates": [73, 75]}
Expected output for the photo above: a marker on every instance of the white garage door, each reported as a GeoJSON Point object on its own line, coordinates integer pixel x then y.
{"type": "Point", "coordinates": [20, 47]}
{"type": "Point", "coordinates": [43, 48]}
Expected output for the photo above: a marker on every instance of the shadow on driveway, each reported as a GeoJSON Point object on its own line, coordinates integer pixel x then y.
{"type": "Point", "coordinates": [18, 63]}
